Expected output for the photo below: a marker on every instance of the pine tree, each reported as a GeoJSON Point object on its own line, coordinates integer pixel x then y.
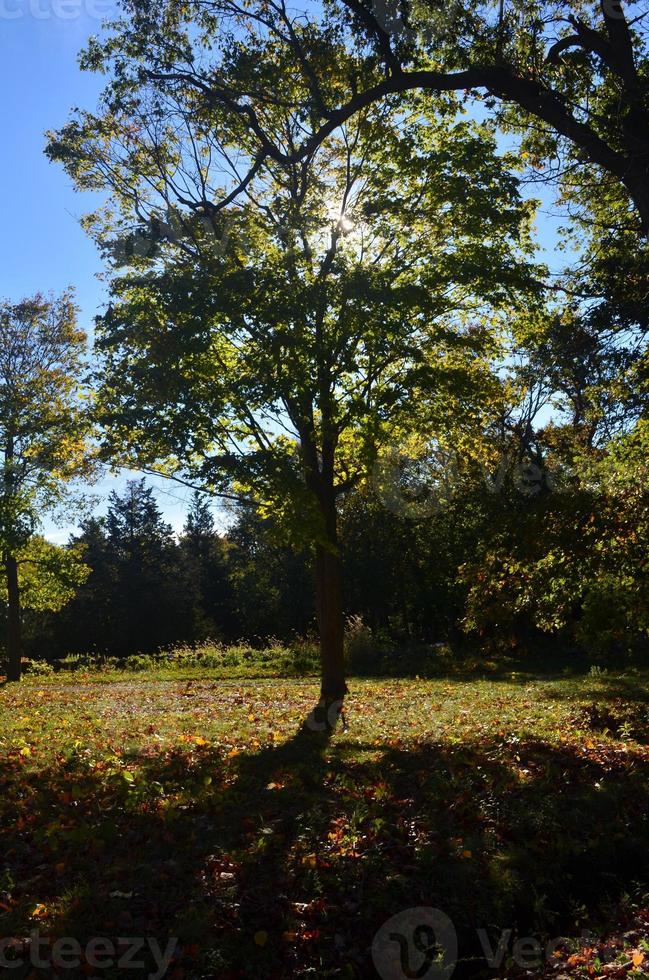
{"type": "Point", "coordinates": [206, 568]}
{"type": "Point", "coordinates": [199, 529]}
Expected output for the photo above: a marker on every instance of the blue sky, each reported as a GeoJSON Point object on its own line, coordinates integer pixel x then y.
{"type": "Point", "coordinates": [42, 246]}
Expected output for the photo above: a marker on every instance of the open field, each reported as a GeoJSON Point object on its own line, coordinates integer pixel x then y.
{"type": "Point", "coordinates": [203, 809]}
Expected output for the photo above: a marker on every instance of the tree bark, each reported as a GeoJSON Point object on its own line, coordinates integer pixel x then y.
{"type": "Point", "coordinates": [329, 598]}
{"type": "Point", "coordinates": [14, 639]}
{"type": "Point", "coordinates": [329, 605]}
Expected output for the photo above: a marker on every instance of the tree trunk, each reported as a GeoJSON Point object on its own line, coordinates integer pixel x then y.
{"type": "Point", "coordinates": [14, 641]}
{"type": "Point", "coordinates": [329, 604]}
{"type": "Point", "coordinates": [637, 184]}
{"type": "Point", "coordinates": [319, 474]}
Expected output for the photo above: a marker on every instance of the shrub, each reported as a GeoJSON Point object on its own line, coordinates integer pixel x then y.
{"type": "Point", "coordinates": [138, 662]}
{"type": "Point", "coordinates": [38, 668]}
{"type": "Point", "coordinates": [360, 646]}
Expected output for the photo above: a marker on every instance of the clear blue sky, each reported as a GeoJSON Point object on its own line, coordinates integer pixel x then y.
{"type": "Point", "coordinates": [42, 246]}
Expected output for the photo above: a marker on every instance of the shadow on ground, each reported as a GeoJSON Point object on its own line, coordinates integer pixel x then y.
{"type": "Point", "coordinates": [284, 862]}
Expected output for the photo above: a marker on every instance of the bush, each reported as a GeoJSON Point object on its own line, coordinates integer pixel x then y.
{"type": "Point", "coordinates": [360, 646]}
{"type": "Point", "coordinates": [37, 668]}
{"type": "Point", "coordinates": [138, 662]}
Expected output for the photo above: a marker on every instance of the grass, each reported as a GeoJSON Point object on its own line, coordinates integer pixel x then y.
{"type": "Point", "coordinates": [158, 804]}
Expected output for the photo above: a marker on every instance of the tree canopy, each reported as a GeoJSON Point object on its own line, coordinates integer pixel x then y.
{"type": "Point", "coordinates": [345, 306]}
{"type": "Point", "coordinates": [44, 429]}
{"type": "Point", "coordinates": [572, 74]}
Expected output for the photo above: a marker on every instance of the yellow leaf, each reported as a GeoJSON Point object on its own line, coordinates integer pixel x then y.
{"type": "Point", "coordinates": [638, 958]}
{"type": "Point", "coordinates": [26, 751]}
{"type": "Point", "coordinates": [261, 937]}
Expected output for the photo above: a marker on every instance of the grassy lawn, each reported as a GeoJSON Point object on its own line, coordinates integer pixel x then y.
{"type": "Point", "coordinates": [200, 808]}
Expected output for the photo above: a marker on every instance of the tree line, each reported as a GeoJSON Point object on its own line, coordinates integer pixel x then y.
{"type": "Point", "coordinates": [496, 561]}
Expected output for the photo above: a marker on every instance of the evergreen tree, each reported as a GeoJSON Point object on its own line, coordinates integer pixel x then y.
{"type": "Point", "coordinates": [149, 600]}
{"type": "Point", "coordinates": [199, 529]}
{"type": "Point", "coordinates": [272, 584]}
{"type": "Point", "coordinates": [205, 557]}
{"type": "Point", "coordinates": [136, 598]}
{"type": "Point", "coordinates": [88, 622]}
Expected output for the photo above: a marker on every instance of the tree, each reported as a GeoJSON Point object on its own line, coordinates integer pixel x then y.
{"type": "Point", "coordinates": [572, 75]}
{"type": "Point", "coordinates": [48, 578]}
{"type": "Point", "coordinates": [150, 599]}
{"type": "Point", "coordinates": [349, 302]}
{"type": "Point", "coordinates": [206, 556]}
{"type": "Point", "coordinates": [570, 565]}
{"type": "Point", "coordinates": [44, 432]}
{"type": "Point", "coordinates": [137, 597]}
{"type": "Point", "coordinates": [141, 550]}
{"type": "Point", "coordinates": [87, 624]}
{"type": "Point", "coordinates": [271, 582]}
{"type": "Point", "coordinates": [198, 530]}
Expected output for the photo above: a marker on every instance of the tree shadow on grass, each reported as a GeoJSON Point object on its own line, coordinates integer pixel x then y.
{"type": "Point", "coordinates": [283, 862]}
{"type": "Point", "coordinates": [608, 688]}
